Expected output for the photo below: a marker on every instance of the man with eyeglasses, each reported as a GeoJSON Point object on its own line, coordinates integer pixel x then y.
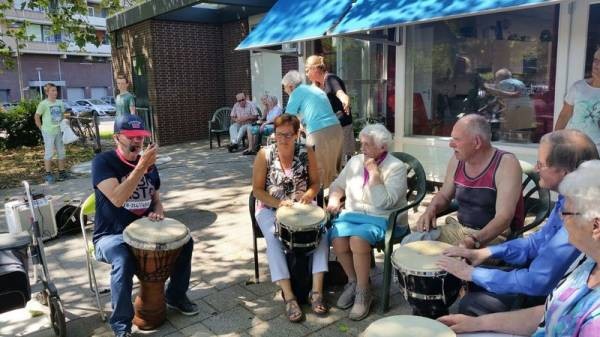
{"type": "Point", "coordinates": [126, 184]}
{"type": "Point", "coordinates": [542, 258]}
{"type": "Point", "coordinates": [243, 114]}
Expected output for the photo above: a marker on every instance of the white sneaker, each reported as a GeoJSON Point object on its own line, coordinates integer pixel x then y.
{"type": "Point", "coordinates": [346, 299]}
{"type": "Point", "coordinates": [362, 304]}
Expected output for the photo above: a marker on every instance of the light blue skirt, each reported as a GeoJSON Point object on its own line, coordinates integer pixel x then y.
{"type": "Point", "coordinates": [368, 227]}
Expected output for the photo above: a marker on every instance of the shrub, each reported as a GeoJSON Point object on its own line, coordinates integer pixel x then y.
{"type": "Point", "coordinates": [19, 126]}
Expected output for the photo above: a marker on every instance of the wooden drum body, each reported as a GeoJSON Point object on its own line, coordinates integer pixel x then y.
{"type": "Point", "coordinates": [300, 226]}
{"type": "Point", "coordinates": [428, 289]}
{"type": "Point", "coordinates": [156, 246]}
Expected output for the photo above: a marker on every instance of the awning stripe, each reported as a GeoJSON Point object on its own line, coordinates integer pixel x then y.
{"type": "Point", "coordinates": [376, 14]}
{"type": "Point", "coordinates": [295, 20]}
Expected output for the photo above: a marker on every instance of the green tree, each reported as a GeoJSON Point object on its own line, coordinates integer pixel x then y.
{"type": "Point", "coordinates": [66, 16]}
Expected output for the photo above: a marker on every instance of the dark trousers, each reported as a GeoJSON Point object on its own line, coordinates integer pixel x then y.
{"type": "Point", "coordinates": [479, 302]}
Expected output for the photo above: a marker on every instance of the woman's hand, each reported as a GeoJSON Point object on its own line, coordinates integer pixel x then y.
{"type": "Point", "coordinates": [460, 323]}
{"type": "Point", "coordinates": [333, 206]}
{"type": "Point", "coordinates": [285, 203]}
{"type": "Point", "coordinates": [456, 267]}
{"type": "Point", "coordinates": [306, 198]}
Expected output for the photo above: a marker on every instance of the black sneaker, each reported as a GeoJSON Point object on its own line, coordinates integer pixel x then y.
{"type": "Point", "coordinates": [62, 175]}
{"type": "Point", "coordinates": [184, 306]}
{"type": "Point", "coordinates": [232, 147]}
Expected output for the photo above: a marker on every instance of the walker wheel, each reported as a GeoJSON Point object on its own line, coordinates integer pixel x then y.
{"type": "Point", "coordinates": [57, 317]}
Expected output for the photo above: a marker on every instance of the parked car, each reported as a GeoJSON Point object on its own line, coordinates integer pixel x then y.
{"type": "Point", "coordinates": [108, 99]}
{"type": "Point", "coordinates": [76, 109]}
{"type": "Point", "coordinates": [97, 105]}
{"type": "Point", "coordinates": [7, 105]}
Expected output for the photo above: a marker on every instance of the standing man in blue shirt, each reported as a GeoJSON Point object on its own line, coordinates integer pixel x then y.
{"type": "Point", "coordinates": [543, 257]}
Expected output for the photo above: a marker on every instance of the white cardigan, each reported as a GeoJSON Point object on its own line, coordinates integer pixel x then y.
{"type": "Point", "coordinates": [377, 200]}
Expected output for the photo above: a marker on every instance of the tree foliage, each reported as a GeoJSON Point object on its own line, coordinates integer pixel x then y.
{"type": "Point", "coordinates": [67, 17]}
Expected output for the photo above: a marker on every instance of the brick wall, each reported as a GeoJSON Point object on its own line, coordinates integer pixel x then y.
{"type": "Point", "coordinates": [236, 64]}
{"type": "Point", "coordinates": [287, 63]}
{"type": "Point", "coordinates": [187, 59]}
{"type": "Point", "coordinates": [192, 70]}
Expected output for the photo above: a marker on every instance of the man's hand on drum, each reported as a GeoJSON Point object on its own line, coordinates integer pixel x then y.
{"type": "Point", "coordinates": [474, 256]}
{"type": "Point", "coordinates": [456, 267]}
{"type": "Point", "coordinates": [285, 202]}
{"type": "Point", "coordinates": [426, 222]}
{"type": "Point", "coordinates": [158, 213]}
{"type": "Point", "coordinates": [460, 323]}
{"type": "Point", "coordinates": [148, 158]}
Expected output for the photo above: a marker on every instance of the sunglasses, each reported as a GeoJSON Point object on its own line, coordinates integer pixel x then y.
{"type": "Point", "coordinates": [241, 100]}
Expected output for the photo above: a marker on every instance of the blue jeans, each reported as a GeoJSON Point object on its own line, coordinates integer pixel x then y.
{"type": "Point", "coordinates": [112, 249]}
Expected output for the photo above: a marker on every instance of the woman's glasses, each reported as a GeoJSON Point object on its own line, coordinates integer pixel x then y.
{"type": "Point", "coordinates": [288, 135]}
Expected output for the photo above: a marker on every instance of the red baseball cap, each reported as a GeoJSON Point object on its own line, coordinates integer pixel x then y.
{"type": "Point", "coordinates": [131, 126]}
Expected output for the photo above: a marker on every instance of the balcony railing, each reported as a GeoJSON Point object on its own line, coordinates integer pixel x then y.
{"type": "Point", "coordinates": [40, 17]}
{"type": "Point", "coordinates": [33, 47]}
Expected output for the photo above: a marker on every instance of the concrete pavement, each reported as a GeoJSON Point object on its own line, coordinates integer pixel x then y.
{"type": "Point", "coordinates": [208, 191]}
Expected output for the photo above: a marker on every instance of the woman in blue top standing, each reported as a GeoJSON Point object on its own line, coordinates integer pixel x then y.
{"type": "Point", "coordinates": [322, 127]}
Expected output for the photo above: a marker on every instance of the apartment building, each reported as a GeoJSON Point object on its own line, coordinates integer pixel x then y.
{"type": "Point", "coordinates": [78, 73]}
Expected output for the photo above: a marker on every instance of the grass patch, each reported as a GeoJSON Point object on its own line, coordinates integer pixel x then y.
{"type": "Point", "coordinates": [106, 134]}
{"type": "Point", "coordinates": [27, 163]}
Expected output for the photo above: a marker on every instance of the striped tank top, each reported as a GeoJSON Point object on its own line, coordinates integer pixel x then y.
{"type": "Point", "coordinates": [476, 196]}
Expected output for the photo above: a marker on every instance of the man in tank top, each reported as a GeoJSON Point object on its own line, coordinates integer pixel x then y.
{"type": "Point", "coordinates": [486, 184]}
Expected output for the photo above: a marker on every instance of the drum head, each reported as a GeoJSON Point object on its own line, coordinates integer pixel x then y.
{"type": "Point", "coordinates": [299, 216]}
{"type": "Point", "coordinates": [407, 326]}
{"type": "Point", "coordinates": [419, 256]}
{"type": "Point", "coordinates": [166, 234]}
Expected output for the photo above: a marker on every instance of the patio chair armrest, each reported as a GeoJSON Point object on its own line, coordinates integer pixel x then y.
{"type": "Point", "coordinates": [392, 218]}
{"type": "Point", "coordinates": [14, 240]}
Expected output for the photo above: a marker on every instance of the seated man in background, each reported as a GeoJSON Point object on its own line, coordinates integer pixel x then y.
{"type": "Point", "coordinates": [541, 258]}
{"type": "Point", "coordinates": [243, 114]}
{"type": "Point", "coordinates": [486, 183]}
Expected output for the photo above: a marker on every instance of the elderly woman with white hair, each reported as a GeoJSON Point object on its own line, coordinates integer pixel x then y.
{"type": "Point", "coordinates": [322, 127]}
{"type": "Point", "coordinates": [573, 308]}
{"type": "Point", "coordinates": [374, 184]}
{"type": "Point", "coordinates": [264, 126]}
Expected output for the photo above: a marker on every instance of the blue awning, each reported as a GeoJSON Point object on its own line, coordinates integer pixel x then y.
{"type": "Point", "coordinates": [377, 14]}
{"type": "Point", "coordinates": [295, 20]}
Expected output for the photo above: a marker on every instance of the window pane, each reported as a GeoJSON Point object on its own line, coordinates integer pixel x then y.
{"type": "Point", "coordinates": [593, 38]}
{"type": "Point", "coordinates": [35, 31]}
{"type": "Point", "coordinates": [501, 66]}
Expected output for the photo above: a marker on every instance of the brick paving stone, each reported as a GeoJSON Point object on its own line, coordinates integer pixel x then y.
{"type": "Point", "coordinates": [237, 319]}
{"type": "Point", "coordinates": [229, 297]}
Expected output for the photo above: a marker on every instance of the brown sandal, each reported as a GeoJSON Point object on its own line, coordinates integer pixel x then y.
{"type": "Point", "coordinates": [317, 304]}
{"type": "Point", "coordinates": [293, 311]}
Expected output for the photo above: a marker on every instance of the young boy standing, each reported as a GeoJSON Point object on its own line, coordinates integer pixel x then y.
{"type": "Point", "coordinates": [47, 117]}
{"type": "Point", "coordinates": [125, 101]}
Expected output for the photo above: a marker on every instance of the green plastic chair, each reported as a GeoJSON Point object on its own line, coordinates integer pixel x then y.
{"type": "Point", "coordinates": [416, 180]}
{"type": "Point", "coordinates": [88, 208]}
{"type": "Point", "coordinates": [219, 125]}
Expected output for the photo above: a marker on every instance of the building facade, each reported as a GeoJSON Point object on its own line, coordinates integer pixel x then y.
{"type": "Point", "coordinates": [415, 69]}
{"type": "Point", "coordinates": [78, 73]}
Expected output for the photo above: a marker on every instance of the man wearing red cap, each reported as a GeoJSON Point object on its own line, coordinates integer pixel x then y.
{"type": "Point", "coordinates": [126, 185]}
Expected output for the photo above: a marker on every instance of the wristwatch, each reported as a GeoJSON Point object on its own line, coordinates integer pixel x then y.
{"type": "Point", "coordinates": [475, 240]}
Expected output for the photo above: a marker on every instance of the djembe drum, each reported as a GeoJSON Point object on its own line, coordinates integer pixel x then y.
{"type": "Point", "coordinates": [407, 326]}
{"type": "Point", "coordinates": [427, 288]}
{"type": "Point", "coordinates": [156, 246]}
{"type": "Point", "coordinates": [300, 226]}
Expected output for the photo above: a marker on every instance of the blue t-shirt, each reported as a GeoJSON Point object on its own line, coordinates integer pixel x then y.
{"type": "Point", "coordinates": [312, 106]}
{"type": "Point", "coordinates": [110, 219]}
